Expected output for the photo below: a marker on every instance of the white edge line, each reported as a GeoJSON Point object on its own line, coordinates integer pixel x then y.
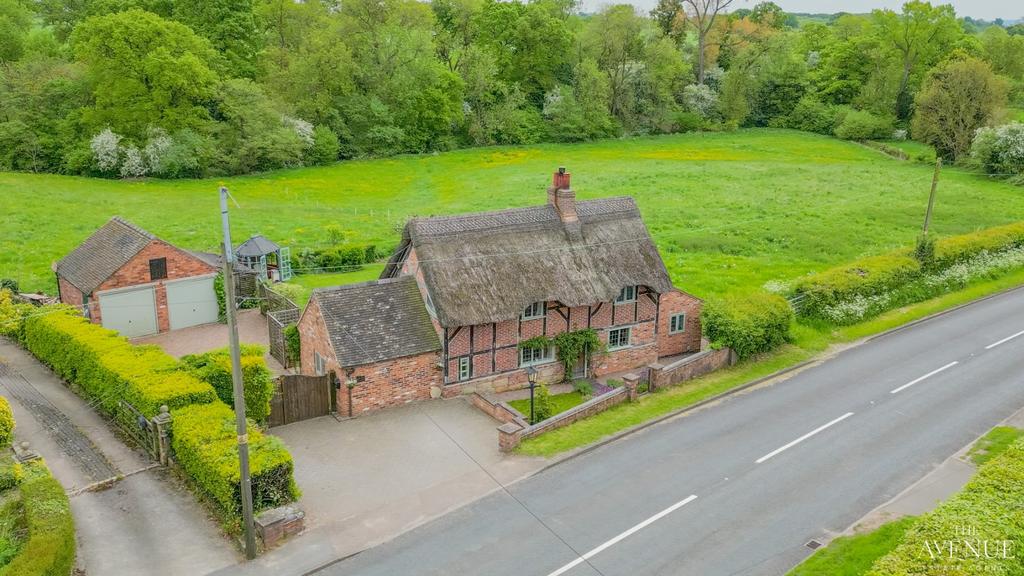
{"type": "Point", "coordinates": [928, 375]}
{"type": "Point", "coordinates": [1004, 340]}
{"type": "Point", "coordinates": [802, 438]}
{"type": "Point", "coordinates": [624, 535]}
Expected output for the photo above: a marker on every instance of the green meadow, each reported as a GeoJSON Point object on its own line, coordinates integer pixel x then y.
{"type": "Point", "coordinates": [728, 210]}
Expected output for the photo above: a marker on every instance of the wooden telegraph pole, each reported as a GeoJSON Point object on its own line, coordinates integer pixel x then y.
{"type": "Point", "coordinates": [931, 197]}
{"type": "Point", "coordinates": [236, 380]}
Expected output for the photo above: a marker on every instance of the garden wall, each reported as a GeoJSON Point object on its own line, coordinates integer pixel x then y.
{"type": "Point", "coordinates": [511, 434]}
{"type": "Point", "coordinates": [690, 367]}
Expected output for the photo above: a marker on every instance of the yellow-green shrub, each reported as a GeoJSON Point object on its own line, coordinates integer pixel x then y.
{"type": "Point", "coordinates": [6, 423]}
{"type": "Point", "coordinates": [214, 367]}
{"type": "Point", "coordinates": [864, 277]}
{"type": "Point", "coordinates": [49, 549]}
{"type": "Point", "coordinates": [12, 314]}
{"type": "Point", "coordinates": [107, 368]}
{"type": "Point", "coordinates": [954, 249]}
{"type": "Point", "coordinates": [747, 323]}
{"type": "Point", "coordinates": [990, 504]}
{"type": "Point", "coordinates": [205, 445]}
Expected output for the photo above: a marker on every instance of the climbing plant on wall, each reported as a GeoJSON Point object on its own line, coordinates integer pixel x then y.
{"type": "Point", "coordinates": [569, 346]}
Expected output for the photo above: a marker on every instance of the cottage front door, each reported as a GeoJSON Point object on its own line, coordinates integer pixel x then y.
{"type": "Point", "coordinates": [582, 368]}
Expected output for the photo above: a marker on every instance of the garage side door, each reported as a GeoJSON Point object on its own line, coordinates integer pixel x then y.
{"type": "Point", "coordinates": [191, 302]}
{"type": "Point", "coordinates": [131, 312]}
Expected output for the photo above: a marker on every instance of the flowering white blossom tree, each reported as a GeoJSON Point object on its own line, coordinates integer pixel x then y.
{"type": "Point", "coordinates": [106, 150]}
{"type": "Point", "coordinates": [133, 166]}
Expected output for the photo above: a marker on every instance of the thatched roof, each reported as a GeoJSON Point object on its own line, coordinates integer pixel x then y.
{"type": "Point", "coordinates": [102, 254]}
{"type": "Point", "coordinates": [487, 267]}
{"type": "Point", "coordinates": [374, 321]}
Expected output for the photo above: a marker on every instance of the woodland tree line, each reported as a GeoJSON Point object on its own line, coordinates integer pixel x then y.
{"type": "Point", "coordinates": [186, 88]}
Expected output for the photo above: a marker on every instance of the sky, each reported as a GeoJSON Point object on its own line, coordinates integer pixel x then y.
{"type": "Point", "coordinates": [987, 9]}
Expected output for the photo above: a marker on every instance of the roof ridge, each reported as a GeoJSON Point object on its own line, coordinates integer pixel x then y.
{"type": "Point", "coordinates": [134, 227]}
{"type": "Point", "coordinates": [364, 284]}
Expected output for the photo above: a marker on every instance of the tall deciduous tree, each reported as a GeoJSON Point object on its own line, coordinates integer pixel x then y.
{"type": "Point", "coordinates": [921, 35]}
{"type": "Point", "coordinates": [229, 25]}
{"type": "Point", "coordinates": [701, 14]}
{"type": "Point", "coordinates": [146, 71]}
{"type": "Point", "coordinates": [957, 98]}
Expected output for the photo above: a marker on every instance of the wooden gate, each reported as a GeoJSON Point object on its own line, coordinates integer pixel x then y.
{"type": "Point", "coordinates": [298, 397]}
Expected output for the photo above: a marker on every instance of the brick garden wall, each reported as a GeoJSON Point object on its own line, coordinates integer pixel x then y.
{"type": "Point", "coordinates": [691, 367]}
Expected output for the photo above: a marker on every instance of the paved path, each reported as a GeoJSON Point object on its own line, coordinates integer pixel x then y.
{"type": "Point", "coordinates": [75, 445]}
{"type": "Point", "coordinates": [739, 487]}
{"type": "Point", "coordinates": [143, 524]}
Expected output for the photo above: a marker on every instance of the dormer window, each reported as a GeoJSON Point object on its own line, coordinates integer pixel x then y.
{"type": "Point", "coordinates": [628, 294]}
{"type": "Point", "coordinates": [535, 310]}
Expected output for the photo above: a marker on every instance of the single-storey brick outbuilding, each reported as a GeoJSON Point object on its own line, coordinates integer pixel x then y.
{"type": "Point", "coordinates": [488, 281]}
{"type": "Point", "coordinates": [131, 281]}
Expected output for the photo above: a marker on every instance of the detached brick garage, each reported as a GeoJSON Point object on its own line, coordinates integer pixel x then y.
{"type": "Point", "coordinates": [131, 281]}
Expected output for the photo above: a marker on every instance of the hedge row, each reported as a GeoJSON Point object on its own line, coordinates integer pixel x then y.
{"type": "Point", "coordinates": [12, 314]}
{"type": "Point", "coordinates": [214, 367]}
{"type": "Point", "coordinates": [889, 273]}
{"type": "Point", "coordinates": [747, 323]}
{"type": "Point", "coordinates": [6, 423]}
{"type": "Point", "coordinates": [205, 445]}
{"type": "Point", "coordinates": [990, 504]}
{"type": "Point", "coordinates": [49, 549]}
{"type": "Point", "coordinates": [956, 249]}
{"type": "Point", "coordinates": [340, 257]}
{"type": "Point", "coordinates": [864, 277]}
{"type": "Point", "coordinates": [107, 368]}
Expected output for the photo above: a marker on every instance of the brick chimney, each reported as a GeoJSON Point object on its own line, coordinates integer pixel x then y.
{"type": "Point", "coordinates": [561, 196]}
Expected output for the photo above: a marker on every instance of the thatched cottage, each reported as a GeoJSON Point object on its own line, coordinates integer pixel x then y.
{"type": "Point", "coordinates": [485, 283]}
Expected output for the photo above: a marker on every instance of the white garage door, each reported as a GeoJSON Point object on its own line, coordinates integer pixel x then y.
{"type": "Point", "coordinates": [130, 312]}
{"type": "Point", "coordinates": [191, 302]}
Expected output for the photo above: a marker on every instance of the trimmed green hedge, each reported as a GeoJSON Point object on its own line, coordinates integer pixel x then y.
{"type": "Point", "coordinates": [107, 368]}
{"type": "Point", "coordinates": [990, 504]}
{"type": "Point", "coordinates": [956, 249]}
{"type": "Point", "coordinates": [6, 423]}
{"type": "Point", "coordinates": [214, 367]}
{"type": "Point", "coordinates": [747, 323]}
{"type": "Point", "coordinates": [860, 278]}
{"type": "Point", "coordinates": [50, 547]}
{"type": "Point", "coordinates": [205, 445]}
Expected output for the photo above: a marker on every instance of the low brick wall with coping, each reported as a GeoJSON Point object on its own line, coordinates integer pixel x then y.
{"type": "Point", "coordinates": [515, 428]}
{"type": "Point", "coordinates": [663, 376]}
{"type": "Point", "coordinates": [500, 411]}
{"type": "Point", "coordinates": [512, 433]}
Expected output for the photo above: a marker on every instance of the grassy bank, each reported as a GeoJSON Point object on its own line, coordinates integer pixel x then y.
{"type": "Point", "coordinates": [807, 343]}
{"type": "Point", "coordinates": [854, 555]}
{"type": "Point", "coordinates": [727, 210]}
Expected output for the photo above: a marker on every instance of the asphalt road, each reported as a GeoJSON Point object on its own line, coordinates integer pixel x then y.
{"type": "Point", "coordinates": [740, 487]}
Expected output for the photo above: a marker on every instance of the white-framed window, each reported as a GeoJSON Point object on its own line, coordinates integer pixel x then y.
{"type": "Point", "coordinates": [628, 294]}
{"type": "Point", "coordinates": [677, 323]}
{"type": "Point", "coordinates": [319, 364]}
{"type": "Point", "coordinates": [618, 338]}
{"type": "Point", "coordinates": [531, 356]}
{"type": "Point", "coordinates": [535, 310]}
{"type": "Point", "coordinates": [464, 368]}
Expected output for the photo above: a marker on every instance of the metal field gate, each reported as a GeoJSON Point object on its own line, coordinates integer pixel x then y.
{"type": "Point", "coordinates": [297, 397]}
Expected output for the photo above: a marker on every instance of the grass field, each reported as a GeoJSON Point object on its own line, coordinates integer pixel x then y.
{"type": "Point", "coordinates": [994, 443]}
{"type": "Point", "coordinates": [727, 210]}
{"type": "Point", "coordinates": [311, 281]}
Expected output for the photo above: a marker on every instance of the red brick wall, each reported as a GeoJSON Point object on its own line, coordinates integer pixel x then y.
{"type": "Point", "coordinates": [689, 341]}
{"type": "Point", "coordinates": [135, 272]}
{"type": "Point", "coordinates": [389, 383]}
{"type": "Point", "coordinates": [313, 338]}
{"type": "Point", "coordinates": [69, 294]}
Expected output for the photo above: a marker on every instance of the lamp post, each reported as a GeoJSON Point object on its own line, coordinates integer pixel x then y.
{"type": "Point", "coordinates": [531, 375]}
